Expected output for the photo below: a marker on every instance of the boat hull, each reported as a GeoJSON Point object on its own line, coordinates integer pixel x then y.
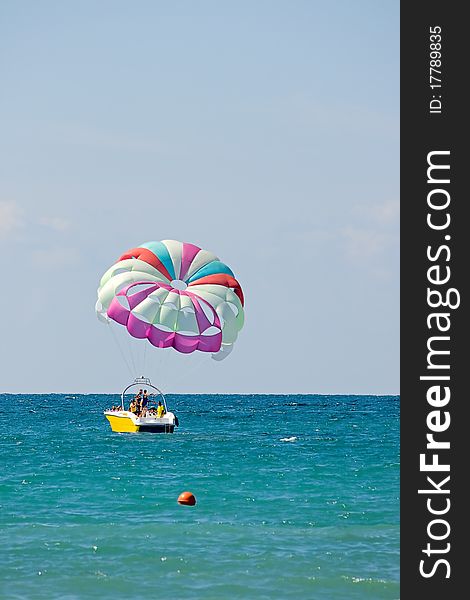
{"type": "Point", "coordinates": [126, 422]}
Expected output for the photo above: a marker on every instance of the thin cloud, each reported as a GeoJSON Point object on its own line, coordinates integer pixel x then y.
{"type": "Point", "coordinates": [385, 213]}
{"type": "Point", "coordinates": [79, 135]}
{"type": "Point", "coordinates": [55, 223]}
{"type": "Point", "coordinates": [388, 212]}
{"type": "Point", "coordinates": [55, 258]}
{"type": "Point", "coordinates": [11, 219]}
{"type": "Point", "coordinates": [364, 244]}
{"type": "Point", "coordinates": [368, 240]}
{"type": "Point", "coordinates": [306, 110]}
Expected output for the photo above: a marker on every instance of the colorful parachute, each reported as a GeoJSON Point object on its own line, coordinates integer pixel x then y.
{"type": "Point", "coordinates": [175, 295]}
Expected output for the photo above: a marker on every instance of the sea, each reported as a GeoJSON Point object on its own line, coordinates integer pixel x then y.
{"type": "Point", "coordinates": [296, 497]}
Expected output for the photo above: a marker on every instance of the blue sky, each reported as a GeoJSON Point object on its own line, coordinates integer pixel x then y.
{"type": "Point", "coordinates": [266, 132]}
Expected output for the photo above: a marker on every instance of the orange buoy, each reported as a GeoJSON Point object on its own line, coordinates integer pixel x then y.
{"type": "Point", "coordinates": [187, 499]}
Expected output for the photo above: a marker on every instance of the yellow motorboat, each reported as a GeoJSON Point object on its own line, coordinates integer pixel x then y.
{"type": "Point", "coordinates": [143, 408]}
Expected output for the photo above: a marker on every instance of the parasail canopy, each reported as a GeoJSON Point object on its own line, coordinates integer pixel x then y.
{"type": "Point", "coordinates": [175, 295]}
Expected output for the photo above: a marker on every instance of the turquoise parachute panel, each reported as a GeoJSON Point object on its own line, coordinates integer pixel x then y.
{"type": "Point", "coordinates": [160, 250]}
{"type": "Point", "coordinates": [212, 268]}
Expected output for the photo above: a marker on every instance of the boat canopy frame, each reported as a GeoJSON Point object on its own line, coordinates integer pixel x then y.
{"type": "Point", "coordinates": [143, 381]}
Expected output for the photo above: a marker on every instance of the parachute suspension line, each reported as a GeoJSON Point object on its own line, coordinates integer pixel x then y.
{"type": "Point", "coordinates": [154, 367]}
{"type": "Point", "coordinates": [157, 368]}
{"type": "Point", "coordinates": [131, 354]}
{"type": "Point", "coordinates": [116, 341]}
{"type": "Point", "coordinates": [197, 361]}
{"type": "Point", "coordinates": [173, 368]}
{"type": "Point", "coordinates": [164, 366]}
{"type": "Point", "coordinates": [171, 373]}
{"type": "Point", "coordinates": [144, 372]}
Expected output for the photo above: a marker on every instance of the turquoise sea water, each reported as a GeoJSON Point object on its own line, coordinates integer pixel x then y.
{"type": "Point", "coordinates": [297, 497]}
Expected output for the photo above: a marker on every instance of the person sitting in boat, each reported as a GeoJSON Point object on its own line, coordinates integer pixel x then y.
{"type": "Point", "coordinates": [160, 410]}
{"type": "Point", "coordinates": [133, 406]}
